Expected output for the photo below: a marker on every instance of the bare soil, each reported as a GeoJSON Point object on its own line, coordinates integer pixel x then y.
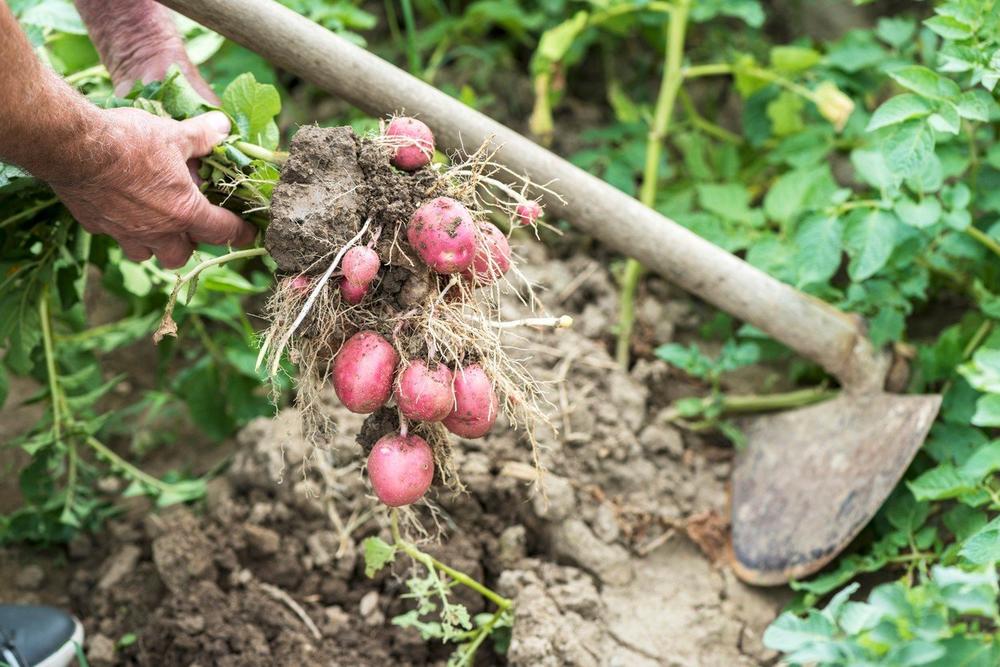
{"type": "Point", "coordinates": [619, 562]}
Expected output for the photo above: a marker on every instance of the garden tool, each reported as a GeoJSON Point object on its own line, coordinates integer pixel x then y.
{"type": "Point", "coordinates": [809, 479]}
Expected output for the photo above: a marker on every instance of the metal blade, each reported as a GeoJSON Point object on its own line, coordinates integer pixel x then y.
{"type": "Point", "coordinates": [811, 479]}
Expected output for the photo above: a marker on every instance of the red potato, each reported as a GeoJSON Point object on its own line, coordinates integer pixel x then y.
{"type": "Point", "coordinates": [360, 265]}
{"type": "Point", "coordinates": [476, 403]}
{"type": "Point", "coordinates": [417, 149]}
{"type": "Point", "coordinates": [353, 294]}
{"type": "Point", "coordinates": [401, 469]}
{"type": "Point", "coordinates": [363, 372]}
{"type": "Point", "coordinates": [424, 393]}
{"type": "Point", "coordinates": [443, 234]}
{"type": "Point", "coordinates": [528, 212]}
{"type": "Point", "coordinates": [492, 260]}
{"type": "Point", "coordinates": [300, 284]}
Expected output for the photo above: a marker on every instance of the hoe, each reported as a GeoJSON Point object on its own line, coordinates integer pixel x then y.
{"type": "Point", "coordinates": [809, 479]}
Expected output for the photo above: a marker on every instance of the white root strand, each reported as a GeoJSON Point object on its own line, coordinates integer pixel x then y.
{"type": "Point", "coordinates": [320, 285]}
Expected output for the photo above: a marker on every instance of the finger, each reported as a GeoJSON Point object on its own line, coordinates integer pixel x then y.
{"type": "Point", "coordinates": [192, 166]}
{"type": "Point", "coordinates": [214, 224]}
{"type": "Point", "coordinates": [137, 252]}
{"type": "Point", "coordinates": [204, 132]}
{"type": "Point", "coordinates": [172, 251]}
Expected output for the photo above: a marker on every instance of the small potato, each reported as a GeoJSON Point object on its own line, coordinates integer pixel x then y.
{"type": "Point", "coordinates": [363, 372]}
{"type": "Point", "coordinates": [476, 403]}
{"type": "Point", "coordinates": [401, 469]}
{"type": "Point", "coordinates": [417, 147]}
{"type": "Point", "coordinates": [424, 393]}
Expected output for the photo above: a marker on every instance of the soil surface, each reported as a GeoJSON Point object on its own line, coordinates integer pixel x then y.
{"type": "Point", "coordinates": [619, 562]}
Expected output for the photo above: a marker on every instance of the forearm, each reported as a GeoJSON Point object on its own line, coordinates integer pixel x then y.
{"type": "Point", "coordinates": [130, 34]}
{"type": "Point", "coordinates": [43, 122]}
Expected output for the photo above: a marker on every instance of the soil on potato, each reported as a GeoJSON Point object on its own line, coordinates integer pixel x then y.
{"type": "Point", "coordinates": [619, 563]}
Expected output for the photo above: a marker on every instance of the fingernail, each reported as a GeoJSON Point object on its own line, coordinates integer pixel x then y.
{"type": "Point", "coordinates": [219, 122]}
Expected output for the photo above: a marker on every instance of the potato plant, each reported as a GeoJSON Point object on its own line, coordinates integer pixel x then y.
{"type": "Point", "coordinates": [858, 165]}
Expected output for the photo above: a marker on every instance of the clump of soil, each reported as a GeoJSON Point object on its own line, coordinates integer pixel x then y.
{"type": "Point", "coordinates": [601, 567]}
{"type": "Point", "coordinates": [338, 189]}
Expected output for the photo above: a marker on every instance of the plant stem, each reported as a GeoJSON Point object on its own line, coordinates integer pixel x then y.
{"type": "Point", "coordinates": [411, 36]}
{"type": "Point", "coordinates": [715, 69]}
{"type": "Point", "coordinates": [480, 636]}
{"type": "Point", "coordinates": [751, 403]}
{"type": "Point", "coordinates": [50, 363]}
{"type": "Point", "coordinates": [130, 470]}
{"type": "Point", "coordinates": [430, 562]}
{"type": "Point", "coordinates": [28, 212]}
{"type": "Point", "coordinates": [261, 153]}
{"type": "Point", "coordinates": [670, 84]}
{"type": "Point", "coordinates": [705, 125]}
{"type": "Point", "coordinates": [97, 71]}
{"type": "Point", "coordinates": [983, 238]}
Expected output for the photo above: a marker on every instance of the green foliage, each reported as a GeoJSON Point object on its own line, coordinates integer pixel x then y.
{"type": "Point", "coordinates": [48, 268]}
{"type": "Point", "coordinates": [378, 554]}
{"type": "Point", "coordinates": [862, 171]}
{"type": "Point", "coordinates": [944, 619]}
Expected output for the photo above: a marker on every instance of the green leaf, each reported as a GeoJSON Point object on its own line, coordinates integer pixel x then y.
{"type": "Point", "coordinates": [793, 58]}
{"type": "Point", "coordinates": [984, 461]}
{"type": "Point", "coordinates": [895, 31]}
{"type": "Point", "coordinates": [983, 371]}
{"type": "Point", "coordinates": [926, 82]}
{"type": "Point", "coordinates": [987, 411]}
{"type": "Point", "coordinates": [898, 109]}
{"type": "Point", "coordinates": [4, 385]}
{"type": "Point", "coordinates": [949, 27]}
{"type": "Point", "coordinates": [820, 246]}
{"type": "Point", "coordinates": [983, 548]}
{"type": "Point", "coordinates": [224, 279]}
{"type": "Point", "coordinates": [58, 15]}
{"type": "Point", "coordinates": [968, 652]}
{"type": "Point", "coordinates": [941, 483]}
{"type": "Point", "coordinates": [908, 148]}
{"type": "Point", "coordinates": [555, 42]}
{"type": "Point", "coordinates": [856, 51]}
{"type": "Point", "coordinates": [920, 215]}
{"type": "Point", "coordinates": [179, 98]}
{"type": "Point", "coordinates": [976, 105]}
{"type": "Point", "coordinates": [946, 119]}
{"type": "Point", "coordinates": [378, 554]}
{"type": "Point", "coordinates": [869, 239]}
{"type": "Point", "coordinates": [253, 106]}
{"type": "Point", "coordinates": [791, 634]}
{"type": "Point", "coordinates": [749, 11]}
{"type": "Point", "coordinates": [730, 201]}
{"type": "Point", "coordinates": [785, 112]}
{"type": "Point", "coordinates": [798, 191]}
{"type": "Point", "coordinates": [871, 167]}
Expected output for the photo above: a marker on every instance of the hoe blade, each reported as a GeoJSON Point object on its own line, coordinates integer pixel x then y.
{"type": "Point", "coordinates": [810, 479]}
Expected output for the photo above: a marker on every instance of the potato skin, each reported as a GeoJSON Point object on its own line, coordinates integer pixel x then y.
{"type": "Point", "coordinates": [528, 212]}
{"type": "Point", "coordinates": [416, 154]}
{"type": "Point", "coordinates": [424, 393]}
{"type": "Point", "coordinates": [476, 403]}
{"type": "Point", "coordinates": [492, 259]}
{"type": "Point", "coordinates": [443, 234]}
{"type": "Point", "coordinates": [363, 372]}
{"type": "Point", "coordinates": [401, 469]}
{"type": "Point", "coordinates": [360, 266]}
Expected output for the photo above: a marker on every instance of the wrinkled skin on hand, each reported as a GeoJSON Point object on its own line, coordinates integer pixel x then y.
{"type": "Point", "coordinates": [136, 186]}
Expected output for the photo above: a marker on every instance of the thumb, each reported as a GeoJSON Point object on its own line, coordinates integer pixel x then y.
{"type": "Point", "coordinates": [208, 223]}
{"type": "Point", "coordinates": [204, 132]}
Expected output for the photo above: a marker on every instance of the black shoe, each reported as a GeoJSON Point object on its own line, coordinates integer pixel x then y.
{"type": "Point", "coordinates": [34, 636]}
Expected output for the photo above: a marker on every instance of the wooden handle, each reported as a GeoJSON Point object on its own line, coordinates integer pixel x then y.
{"type": "Point", "coordinates": [811, 327]}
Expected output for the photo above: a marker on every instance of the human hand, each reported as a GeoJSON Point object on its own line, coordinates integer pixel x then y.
{"type": "Point", "coordinates": [127, 178]}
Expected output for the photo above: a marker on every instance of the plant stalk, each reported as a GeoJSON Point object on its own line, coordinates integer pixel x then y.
{"type": "Point", "coordinates": [429, 561]}
{"type": "Point", "coordinates": [670, 84]}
